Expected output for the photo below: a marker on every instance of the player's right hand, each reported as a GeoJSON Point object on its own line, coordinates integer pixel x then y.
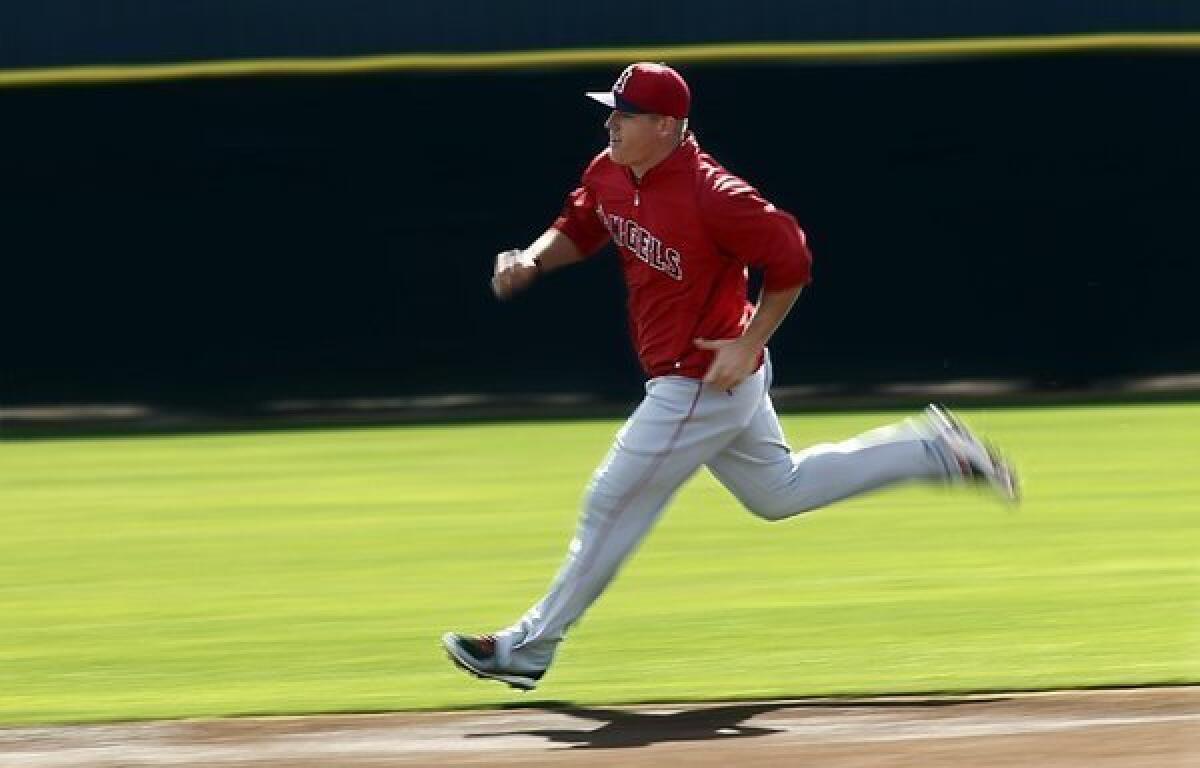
{"type": "Point", "coordinates": [515, 271]}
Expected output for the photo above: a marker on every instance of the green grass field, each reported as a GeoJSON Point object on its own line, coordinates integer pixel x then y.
{"type": "Point", "coordinates": [314, 571]}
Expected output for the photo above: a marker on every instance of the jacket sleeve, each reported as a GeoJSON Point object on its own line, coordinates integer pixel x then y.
{"type": "Point", "coordinates": [580, 221]}
{"type": "Point", "coordinates": [752, 231]}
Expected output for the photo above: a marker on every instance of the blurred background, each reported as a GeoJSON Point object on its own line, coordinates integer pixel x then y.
{"type": "Point", "coordinates": [226, 243]}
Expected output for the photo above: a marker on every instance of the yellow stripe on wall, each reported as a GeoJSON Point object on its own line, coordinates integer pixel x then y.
{"type": "Point", "coordinates": [881, 50]}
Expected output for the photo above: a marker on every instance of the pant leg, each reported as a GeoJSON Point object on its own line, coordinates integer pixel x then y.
{"type": "Point", "coordinates": [677, 428]}
{"type": "Point", "coordinates": [774, 483]}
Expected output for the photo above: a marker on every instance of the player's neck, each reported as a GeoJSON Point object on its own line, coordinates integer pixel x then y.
{"type": "Point", "coordinates": [641, 169]}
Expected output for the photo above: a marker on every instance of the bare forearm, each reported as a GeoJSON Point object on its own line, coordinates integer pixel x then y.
{"type": "Point", "coordinates": [735, 359]}
{"type": "Point", "coordinates": [553, 250]}
{"type": "Point", "coordinates": [773, 307]}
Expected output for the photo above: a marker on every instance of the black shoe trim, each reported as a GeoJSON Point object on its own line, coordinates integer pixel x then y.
{"type": "Point", "coordinates": [462, 658]}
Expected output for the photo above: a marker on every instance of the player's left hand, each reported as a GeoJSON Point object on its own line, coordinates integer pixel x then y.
{"type": "Point", "coordinates": [734, 361]}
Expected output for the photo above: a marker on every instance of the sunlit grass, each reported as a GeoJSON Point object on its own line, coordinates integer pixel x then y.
{"type": "Point", "coordinates": [315, 570]}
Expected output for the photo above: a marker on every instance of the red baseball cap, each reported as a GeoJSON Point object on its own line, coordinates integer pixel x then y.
{"type": "Point", "coordinates": [648, 88]}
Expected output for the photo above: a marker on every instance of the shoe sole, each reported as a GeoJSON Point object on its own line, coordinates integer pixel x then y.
{"type": "Point", "coordinates": [452, 651]}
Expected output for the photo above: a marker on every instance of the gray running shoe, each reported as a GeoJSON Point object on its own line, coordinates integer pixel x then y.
{"type": "Point", "coordinates": [978, 462]}
{"type": "Point", "coordinates": [477, 656]}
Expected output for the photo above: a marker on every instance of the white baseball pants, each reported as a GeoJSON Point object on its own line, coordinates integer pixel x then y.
{"type": "Point", "coordinates": [680, 426]}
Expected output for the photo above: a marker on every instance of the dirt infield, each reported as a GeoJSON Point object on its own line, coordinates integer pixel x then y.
{"type": "Point", "coordinates": [1133, 728]}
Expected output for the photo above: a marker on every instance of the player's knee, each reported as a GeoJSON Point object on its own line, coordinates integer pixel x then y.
{"type": "Point", "coordinates": [602, 495]}
{"type": "Point", "coordinates": [775, 509]}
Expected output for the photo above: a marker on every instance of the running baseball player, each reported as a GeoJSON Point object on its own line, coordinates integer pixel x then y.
{"type": "Point", "coordinates": [687, 231]}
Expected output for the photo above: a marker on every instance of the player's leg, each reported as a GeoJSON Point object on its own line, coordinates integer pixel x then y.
{"type": "Point", "coordinates": [771, 481]}
{"type": "Point", "coordinates": [774, 483]}
{"type": "Point", "coordinates": [677, 428]}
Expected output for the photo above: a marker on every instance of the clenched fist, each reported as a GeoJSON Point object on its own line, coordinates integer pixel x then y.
{"type": "Point", "coordinates": [514, 272]}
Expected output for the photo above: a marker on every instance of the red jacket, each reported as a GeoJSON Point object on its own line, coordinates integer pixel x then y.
{"type": "Point", "coordinates": [686, 234]}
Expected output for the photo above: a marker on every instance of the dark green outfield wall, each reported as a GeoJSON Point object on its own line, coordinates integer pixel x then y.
{"type": "Point", "coordinates": [72, 32]}
{"type": "Point", "coordinates": [235, 240]}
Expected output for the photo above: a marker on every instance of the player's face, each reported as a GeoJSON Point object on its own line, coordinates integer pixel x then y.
{"type": "Point", "coordinates": [633, 138]}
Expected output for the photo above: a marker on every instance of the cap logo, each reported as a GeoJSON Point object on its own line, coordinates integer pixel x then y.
{"type": "Point", "coordinates": [619, 86]}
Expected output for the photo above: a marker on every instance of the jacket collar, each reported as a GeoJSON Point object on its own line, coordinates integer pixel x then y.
{"type": "Point", "coordinates": [681, 158]}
